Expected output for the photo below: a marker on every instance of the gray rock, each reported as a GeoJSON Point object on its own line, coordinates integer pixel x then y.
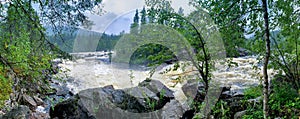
{"type": "Point", "coordinates": [131, 103]}
{"type": "Point", "coordinates": [28, 101]}
{"type": "Point", "coordinates": [38, 100]}
{"type": "Point", "coordinates": [39, 115]}
{"type": "Point", "coordinates": [157, 87]}
{"type": "Point", "coordinates": [20, 112]}
{"type": "Point", "coordinates": [62, 91]}
{"type": "Point", "coordinates": [172, 110]}
{"type": "Point", "coordinates": [242, 52]}
{"type": "Point", "coordinates": [256, 100]}
{"type": "Point", "coordinates": [194, 89]}
{"type": "Point", "coordinates": [70, 109]}
{"type": "Point", "coordinates": [232, 94]}
{"type": "Point", "coordinates": [142, 95]}
{"type": "Point", "coordinates": [239, 115]}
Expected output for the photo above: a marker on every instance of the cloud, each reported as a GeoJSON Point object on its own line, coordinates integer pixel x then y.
{"type": "Point", "coordinates": [120, 7]}
{"type": "Point", "coordinates": [120, 24]}
{"type": "Point", "coordinates": [101, 22]}
{"type": "Point", "coordinates": [117, 17]}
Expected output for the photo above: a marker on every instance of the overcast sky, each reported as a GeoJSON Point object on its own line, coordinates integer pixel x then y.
{"type": "Point", "coordinates": [119, 14]}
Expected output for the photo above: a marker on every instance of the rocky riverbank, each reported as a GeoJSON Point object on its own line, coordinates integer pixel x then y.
{"type": "Point", "coordinates": [150, 99]}
{"type": "Point", "coordinates": [91, 87]}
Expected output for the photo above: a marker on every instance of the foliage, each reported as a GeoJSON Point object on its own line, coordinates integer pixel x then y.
{"type": "Point", "coordinates": [108, 42]}
{"type": "Point", "coordinates": [255, 109]}
{"type": "Point", "coordinates": [151, 54]}
{"type": "Point", "coordinates": [254, 113]}
{"type": "Point", "coordinates": [26, 53]}
{"type": "Point", "coordinates": [284, 101]}
{"type": "Point", "coordinates": [233, 20]}
{"type": "Point", "coordinates": [5, 88]}
{"type": "Point", "coordinates": [23, 53]}
{"type": "Point", "coordinates": [162, 13]}
{"type": "Point", "coordinates": [253, 92]}
{"type": "Point", "coordinates": [221, 110]}
{"type": "Point", "coordinates": [136, 21]}
{"type": "Point", "coordinates": [254, 18]}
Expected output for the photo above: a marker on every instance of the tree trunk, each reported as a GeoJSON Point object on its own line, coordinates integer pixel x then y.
{"type": "Point", "coordinates": [266, 60]}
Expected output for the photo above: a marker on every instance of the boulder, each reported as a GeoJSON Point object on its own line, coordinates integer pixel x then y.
{"type": "Point", "coordinates": [172, 110]}
{"type": "Point", "coordinates": [62, 91]}
{"type": "Point", "coordinates": [151, 99]}
{"type": "Point", "coordinates": [242, 52]}
{"type": "Point", "coordinates": [38, 100]}
{"type": "Point", "coordinates": [158, 88]}
{"type": "Point", "coordinates": [20, 112]}
{"type": "Point", "coordinates": [71, 108]}
{"type": "Point", "coordinates": [227, 94]}
{"type": "Point", "coordinates": [194, 89]}
{"type": "Point", "coordinates": [28, 101]}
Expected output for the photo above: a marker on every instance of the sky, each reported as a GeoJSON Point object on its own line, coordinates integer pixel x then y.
{"type": "Point", "coordinates": [119, 14]}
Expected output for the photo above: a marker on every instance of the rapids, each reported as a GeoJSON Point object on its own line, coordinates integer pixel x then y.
{"type": "Point", "coordinates": [91, 70]}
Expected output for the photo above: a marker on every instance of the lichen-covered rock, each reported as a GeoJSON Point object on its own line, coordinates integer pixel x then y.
{"type": "Point", "coordinates": [20, 112]}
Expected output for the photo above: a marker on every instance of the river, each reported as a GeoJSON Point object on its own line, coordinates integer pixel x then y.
{"type": "Point", "coordinates": [91, 70]}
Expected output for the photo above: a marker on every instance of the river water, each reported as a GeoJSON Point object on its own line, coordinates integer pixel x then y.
{"type": "Point", "coordinates": [91, 70]}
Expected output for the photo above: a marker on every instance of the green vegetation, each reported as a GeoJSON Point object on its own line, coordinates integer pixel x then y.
{"type": "Point", "coordinates": [26, 52]}
{"type": "Point", "coordinates": [151, 54]}
{"type": "Point", "coordinates": [284, 101]}
{"type": "Point", "coordinates": [65, 41]}
{"type": "Point", "coordinates": [25, 58]}
{"type": "Point", "coordinates": [5, 89]}
{"type": "Point", "coordinates": [253, 92]}
{"type": "Point", "coordinates": [221, 110]}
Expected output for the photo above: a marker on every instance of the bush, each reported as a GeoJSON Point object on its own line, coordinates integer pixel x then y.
{"type": "Point", "coordinates": [5, 89]}
{"type": "Point", "coordinates": [221, 110]}
{"type": "Point", "coordinates": [253, 92]}
{"type": "Point", "coordinates": [284, 101]}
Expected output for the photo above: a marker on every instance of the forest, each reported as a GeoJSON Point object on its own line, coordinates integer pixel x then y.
{"type": "Point", "coordinates": [31, 39]}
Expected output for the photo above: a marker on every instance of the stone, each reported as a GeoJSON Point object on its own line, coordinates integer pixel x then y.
{"type": "Point", "coordinates": [28, 101]}
{"type": "Point", "coordinates": [62, 91]}
{"type": "Point", "coordinates": [242, 52]}
{"type": "Point", "coordinates": [130, 103]}
{"type": "Point", "coordinates": [38, 100]}
{"type": "Point", "coordinates": [142, 95]}
{"type": "Point", "coordinates": [239, 115]}
{"type": "Point", "coordinates": [172, 110]}
{"type": "Point", "coordinates": [256, 100]}
{"type": "Point", "coordinates": [194, 89]}
{"type": "Point", "coordinates": [20, 112]}
{"type": "Point", "coordinates": [157, 87]}
{"type": "Point", "coordinates": [226, 95]}
{"type": "Point", "coordinates": [238, 93]}
{"type": "Point", "coordinates": [71, 108]}
{"type": "Point", "coordinates": [39, 115]}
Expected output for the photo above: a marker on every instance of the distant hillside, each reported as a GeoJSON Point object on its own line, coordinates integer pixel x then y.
{"type": "Point", "coordinates": [81, 40]}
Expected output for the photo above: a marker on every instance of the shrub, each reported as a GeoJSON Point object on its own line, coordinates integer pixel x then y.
{"type": "Point", "coordinates": [5, 88]}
